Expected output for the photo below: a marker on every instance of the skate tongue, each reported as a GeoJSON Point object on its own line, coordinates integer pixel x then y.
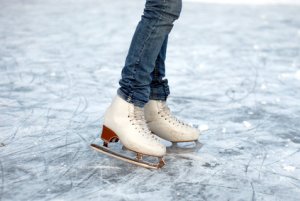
{"type": "Point", "coordinates": [140, 120]}
{"type": "Point", "coordinates": [138, 109]}
{"type": "Point", "coordinates": [139, 113]}
{"type": "Point", "coordinates": [168, 113]}
{"type": "Point", "coordinates": [140, 117]}
{"type": "Point", "coordinates": [165, 108]}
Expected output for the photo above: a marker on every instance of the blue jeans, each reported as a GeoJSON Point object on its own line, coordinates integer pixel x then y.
{"type": "Point", "coordinates": [144, 70]}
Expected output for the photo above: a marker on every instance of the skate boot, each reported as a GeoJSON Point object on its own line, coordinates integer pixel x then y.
{"type": "Point", "coordinates": [125, 122]}
{"type": "Point", "coordinates": [162, 122]}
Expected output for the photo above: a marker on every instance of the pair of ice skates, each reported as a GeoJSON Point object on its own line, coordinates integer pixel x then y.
{"type": "Point", "coordinates": [137, 129]}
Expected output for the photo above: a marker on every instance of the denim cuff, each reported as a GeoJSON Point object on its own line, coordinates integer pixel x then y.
{"type": "Point", "coordinates": [130, 99]}
{"type": "Point", "coordinates": [159, 92]}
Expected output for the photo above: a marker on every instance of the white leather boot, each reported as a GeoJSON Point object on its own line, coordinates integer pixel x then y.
{"type": "Point", "coordinates": [126, 122]}
{"type": "Point", "coordinates": [162, 123]}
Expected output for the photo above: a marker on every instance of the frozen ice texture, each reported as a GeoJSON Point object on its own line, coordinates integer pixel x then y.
{"type": "Point", "coordinates": [60, 63]}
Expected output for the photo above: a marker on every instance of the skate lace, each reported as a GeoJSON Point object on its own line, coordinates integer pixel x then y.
{"type": "Point", "coordinates": [167, 114]}
{"type": "Point", "coordinates": [140, 121]}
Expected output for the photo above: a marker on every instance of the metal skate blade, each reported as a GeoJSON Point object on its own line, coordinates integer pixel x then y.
{"type": "Point", "coordinates": [184, 147]}
{"type": "Point", "coordinates": [134, 161]}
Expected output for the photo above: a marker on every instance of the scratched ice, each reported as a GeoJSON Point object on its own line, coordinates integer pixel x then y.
{"type": "Point", "coordinates": [233, 69]}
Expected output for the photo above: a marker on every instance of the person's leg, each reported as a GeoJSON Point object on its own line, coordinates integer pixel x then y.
{"type": "Point", "coordinates": [155, 25]}
{"type": "Point", "coordinates": [159, 86]}
{"type": "Point", "coordinates": [158, 115]}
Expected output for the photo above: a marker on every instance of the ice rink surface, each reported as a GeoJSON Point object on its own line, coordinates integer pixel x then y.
{"type": "Point", "coordinates": [232, 69]}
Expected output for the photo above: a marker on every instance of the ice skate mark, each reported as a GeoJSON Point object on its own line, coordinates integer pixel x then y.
{"type": "Point", "coordinates": [285, 157]}
{"type": "Point", "coordinates": [261, 165]}
{"type": "Point", "coordinates": [292, 135]}
{"type": "Point", "coordinates": [45, 162]}
{"type": "Point", "coordinates": [86, 179]}
{"type": "Point", "coordinates": [222, 186]}
{"type": "Point", "coordinates": [210, 165]}
{"type": "Point", "coordinates": [282, 175]}
{"type": "Point", "coordinates": [94, 195]}
{"type": "Point", "coordinates": [53, 92]}
{"type": "Point", "coordinates": [78, 128]}
{"type": "Point", "coordinates": [61, 93]}
{"type": "Point", "coordinates": [69, 85]}
{"type": "Point", "coordinates": [230, 152]}
{"type": "Point", "coordinates": [253, 192]}
{"type": "Point", "coordinates": [21, 175]}
{"type": "Point", "coordinates": [59, 157]}
{"type": "Point", "coordinates": [296, 185]}
{"type": "Point", "coordinates": [63, 175]}
{"type": "Point", "coordinates": [56, 138]}
{"type": "Point", "coordinates": [86, 142]}
{"type": "Point", "coordinates": [248, 164]}
{"type": "Point", "coordinates": [11, 138]}
{"type": "Point", "coordinates": [44, 132]}
{"type": "Point", "coordinates": [85, 106]}
{"type": "Point", "coordinates": [188, 156]}
{"type": "Point", "coordinates": [188, 99]}
{"type": "Point", "coordinates": [19, 152]}
{"type": "Point", "coordinates": [190, 191]}
{"type": "Point", "coordinates": [33, 77]}
{"type": "Point", "coordinates": [186, 187]}
{"type": "Point", "coordinates": [76, 113]}
{"type": "Point", "coordinates": [212, 175]}
{"type": "Point", "coordinates": [61, 146]}
{"type": "Point", "coordinates": [56, 196]}
{"type": "Point", "coordinates": [21, 76]}
{"type": "Point", "coordinates": [230, 93]}
{"type": "Point", "coordinates": [47, 120]}
{"type": "Point", "coordinates": [2, 180]}
{"type": "Point", "coordinates": [76, 154]}
{"type": "Point", "coordinates": [13, 64]}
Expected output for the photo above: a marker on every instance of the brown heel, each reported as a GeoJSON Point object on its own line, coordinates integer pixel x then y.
{"type": "Point", "coordinates": [108, 136]}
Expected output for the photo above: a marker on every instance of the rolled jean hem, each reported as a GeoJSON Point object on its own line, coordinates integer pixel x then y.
{"type": "Point", "coordinates": [155, 97]}
{"type": "Point", "coordinates": [129, 99]}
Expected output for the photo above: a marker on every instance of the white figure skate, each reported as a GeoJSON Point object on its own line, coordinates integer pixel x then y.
{"type": "Point", "coordinates": [162, 123]}
{"type": "Point", "coordinates": [125, 122]}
